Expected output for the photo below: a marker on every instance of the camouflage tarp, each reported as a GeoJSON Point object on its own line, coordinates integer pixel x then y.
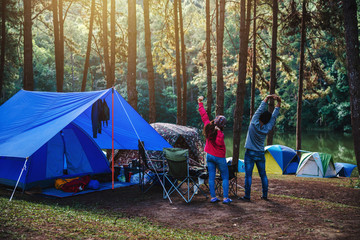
{"type": "Point", "coordinates": [178, 136]}
{"type": "Point", "coordinates": [182, 137]}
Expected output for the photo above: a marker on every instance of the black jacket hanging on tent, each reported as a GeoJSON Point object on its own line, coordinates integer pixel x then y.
{"type": "Point", "coordinates": [105, 113]}
{"type": "Point", "coordinates": [100, 115]}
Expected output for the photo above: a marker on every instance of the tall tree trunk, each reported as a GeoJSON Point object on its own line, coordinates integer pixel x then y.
{"type": "Point", "coordinates": [61, 46]}
{"type": "Point", "coordinates": [301, 77]}
{"type": "Point", "coordinates": [149, 63]}
{"type": "Point", "coordinates": [183, 65]}
{"type": "Point", "coordinates": [208, 60]}
{"type": "Point", "coordinates": [273, 79]}
{"type": "Point", "coordinates": [219, 56]}
{"type": "Point", "coordinates": [177, 59]}
{"type": "Point", "coordinates": [59, 43]}
{"type": "Point", "coordinates": [111, 74]}
{"type": "Point", "coordinates": [253, 81]}
{"type": "Point", "coordinates": [56, 43]}
{"type": "Point", "coordinates": [353, 68]}
{"type": "Point", "coordinates": [72, 70]}
{"type": "Point", "coordinates": [131, 75]}
{"type": "Point", "coordinates": [110, 83]}
{"type": "Point", "coordinates": [88, 50]}
{"type": "Point", "coordinates": [28, 65]}
{"type": "Point", "coordinates": [3, 44]}
{"type": "Point", "coordinates": [106, 43]}
{"type": "Point", "coordinates": [241, 88]}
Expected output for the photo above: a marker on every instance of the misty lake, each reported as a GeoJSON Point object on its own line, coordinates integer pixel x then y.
{"type": "Point", "coordinates": [339, 145]}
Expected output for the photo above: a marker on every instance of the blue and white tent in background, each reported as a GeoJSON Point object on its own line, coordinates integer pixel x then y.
{"type": "Point", "coordinates": [241, 164]}
{"type": "Point", "coordinates": [42, 134]}
{"type": "Point", "coordinates": [344, 169]}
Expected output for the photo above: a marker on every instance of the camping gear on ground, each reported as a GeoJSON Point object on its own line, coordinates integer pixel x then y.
{"type": "Point", "coordinates": [121, 176]}
{"type": "Point", "coordinates": [315, 164]}
{"type": "Point", "coordinates": [72, 184]}
{"type": "Point", "coordinates": [61, 181]}
{"type": "Point", "coordinates": [140, 178]}
{"type": "Point", "coordinates": [76, 185]}
{"type": "Point", "coordinates": [344, 169]}
{"type": "Point", "coordinates": [152, 169]}
{"type": "Point", "coordinates": [178, 175]}
{"type": "Point", "coordinates": [48, 135]}
{"type": "Point", "coordinates": [93, 184]}
{"type": "Point", "coordinates": [183, 137]}
{"type": "Point", "coordinates": [280, 160]}
{"type": "Point", "coordinates": [129, 171]}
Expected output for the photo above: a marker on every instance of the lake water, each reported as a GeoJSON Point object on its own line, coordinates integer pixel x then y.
{"type": "Point", "coordinates": [339, 145]}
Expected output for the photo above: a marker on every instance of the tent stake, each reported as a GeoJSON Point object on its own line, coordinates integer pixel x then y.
{"type": "Point", "coordinates": [22, 170]}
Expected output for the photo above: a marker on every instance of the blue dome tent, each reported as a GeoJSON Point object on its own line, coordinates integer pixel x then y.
{"type": "Point", "coordinates": [344, 169]}
{"type": "Point", "coordinates": [280, 160]}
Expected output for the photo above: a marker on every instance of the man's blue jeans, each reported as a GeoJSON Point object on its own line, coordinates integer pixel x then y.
{"type": "Point", "coordinates": [258, 158]}
{"type": "Point", "coordinates": [212, 163]}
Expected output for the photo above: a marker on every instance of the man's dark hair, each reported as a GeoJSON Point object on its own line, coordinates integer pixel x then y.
{"type": "Point", "coordinates": [265, 117]}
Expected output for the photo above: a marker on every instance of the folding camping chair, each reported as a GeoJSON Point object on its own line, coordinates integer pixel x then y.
{"type": "Point", "coordinates": [151, 170]}
{"type": "Point", "coordinates": [233, 186]}
{"type": "Point", "coordinates": [179, 176]}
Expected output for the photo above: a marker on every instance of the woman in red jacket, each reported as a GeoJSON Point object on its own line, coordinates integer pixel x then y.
{"type": "Point", "coordinates": [215, 152]}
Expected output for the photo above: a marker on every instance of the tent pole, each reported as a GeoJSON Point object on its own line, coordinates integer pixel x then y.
{"type": "Point", "coordinates": [22, 170]}
{"type": "Point", "coordinates": [112, 135]}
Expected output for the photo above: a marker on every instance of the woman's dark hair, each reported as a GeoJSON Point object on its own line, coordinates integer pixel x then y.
{"type": "Point", "coordinates": [209, 131]}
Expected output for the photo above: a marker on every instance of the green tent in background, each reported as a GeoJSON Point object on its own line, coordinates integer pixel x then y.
{"type": "Point", "coordinates": [315, 164]}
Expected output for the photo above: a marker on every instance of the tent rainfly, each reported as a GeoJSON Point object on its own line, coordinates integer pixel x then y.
{"type": "Point", "coordinates": [48, 135]}
{"type": "Point", "coordinates": [315, 164]}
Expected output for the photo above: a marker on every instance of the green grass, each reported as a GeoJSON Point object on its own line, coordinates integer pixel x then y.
{"type": "Point", "coordinates": [20, 219]}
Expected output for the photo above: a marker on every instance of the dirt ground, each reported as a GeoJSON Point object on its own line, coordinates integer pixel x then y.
{"type": "Point", "coordinates": [305, 208]}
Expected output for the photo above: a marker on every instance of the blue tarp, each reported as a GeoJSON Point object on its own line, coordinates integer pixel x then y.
{"type": "Point", "coordinates": [29, 120]}
{"type": "Point", "coordinates": [55, 193]}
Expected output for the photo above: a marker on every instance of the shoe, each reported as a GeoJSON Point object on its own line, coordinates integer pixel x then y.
{"type": "Point", "coordinates": [245, 199]}
{"type": "Point", "coordinates": [214, 200]}
{"type": "Point", "coordinates": [265, 198]}
{"type": "Point", "coordinates": [227, 201]}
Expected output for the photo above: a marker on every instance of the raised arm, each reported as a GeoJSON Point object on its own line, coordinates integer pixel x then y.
{"type": "Point", "coordinates": [262, 108]}
{"type": "Point", "coordinates": [274, 115]}
{"type": "Point", "coordinates": [202, 111]}
{"type": "Point", "coordinates": [278, 101]}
